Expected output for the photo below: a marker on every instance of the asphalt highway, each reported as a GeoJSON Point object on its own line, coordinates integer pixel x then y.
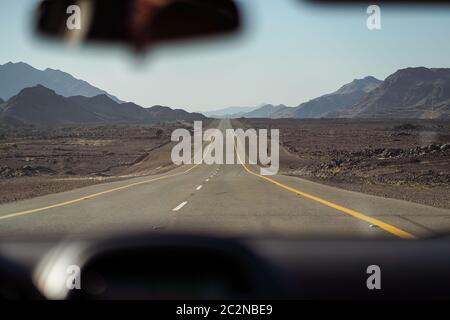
{"type": "Point", "coordinates": [221, 199]}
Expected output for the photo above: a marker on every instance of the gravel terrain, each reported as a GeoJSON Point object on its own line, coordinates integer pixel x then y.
{"type": "Point", "coordinates": [39, 161]}
{"type": "Point", "coordinates": [403, 159]}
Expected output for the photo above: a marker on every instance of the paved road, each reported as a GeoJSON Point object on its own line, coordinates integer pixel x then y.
{"type": "Point", "coordinates": [228, 199]}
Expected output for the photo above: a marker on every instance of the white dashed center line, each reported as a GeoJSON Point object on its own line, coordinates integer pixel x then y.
{"type": "Point", "coordinates": [199, 187]}
{"type": "Point", "coordinates": [181, 205]}
{"type": "Point", "coordinates": [207, 180]}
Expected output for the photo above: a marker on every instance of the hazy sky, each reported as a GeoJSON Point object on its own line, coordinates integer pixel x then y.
{"type": "Point", "coordinates": [288, 53]}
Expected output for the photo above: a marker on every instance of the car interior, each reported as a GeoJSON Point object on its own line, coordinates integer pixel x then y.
{"type": "Point", "coordinates": [400, 258]}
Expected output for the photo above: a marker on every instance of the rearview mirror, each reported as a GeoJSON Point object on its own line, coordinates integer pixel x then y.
{"type": "Point", "coordinates": [137, 23]}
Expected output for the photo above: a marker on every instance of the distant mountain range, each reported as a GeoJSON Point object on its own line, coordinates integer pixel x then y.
{"type": "Point", "coordinates": [267, 111]}
{"type": "Point", "coordinates": [227, 112]}
{"type": "Point", "coordinates": [40, 106]}
{"type": "Point", "coordinates": [418, 93]}
{"type": "Point", "coordinates": [344, 97]}
{"type": "Point", "coordinates": [408, 93]}
{"type": "Point", "coordinates": [14, 77]}
{"type": "Point", "coordinates": [54, 98]}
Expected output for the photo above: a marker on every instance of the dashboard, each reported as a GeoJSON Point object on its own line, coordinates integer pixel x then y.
{"type": "Point", "coordinates": [198, 267]}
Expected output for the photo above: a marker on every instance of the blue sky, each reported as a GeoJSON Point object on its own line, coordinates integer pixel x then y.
{"type": "Point", "coordinates": [288, 53]}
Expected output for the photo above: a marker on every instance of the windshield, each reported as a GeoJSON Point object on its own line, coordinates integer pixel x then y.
{"type": "Point", "coordinates": [313, 121]}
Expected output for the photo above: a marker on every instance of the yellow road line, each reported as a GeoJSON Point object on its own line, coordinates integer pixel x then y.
{"type": "Point", "coordinates": [383, 225]}
{"type": "Point", "coordinates": [98, 194]}
{"type": "Point", "coordinates": [91, 196]}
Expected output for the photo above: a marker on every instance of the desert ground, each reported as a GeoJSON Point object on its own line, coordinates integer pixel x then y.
{"type": "Point", "coordinates": [402, 159]}
{"type": "Point", "coordinates": [40, 161]}
{"type": "Point", "coordinates": [407, 160]}
{"type": "Point", "coordinates": [233, 199]}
